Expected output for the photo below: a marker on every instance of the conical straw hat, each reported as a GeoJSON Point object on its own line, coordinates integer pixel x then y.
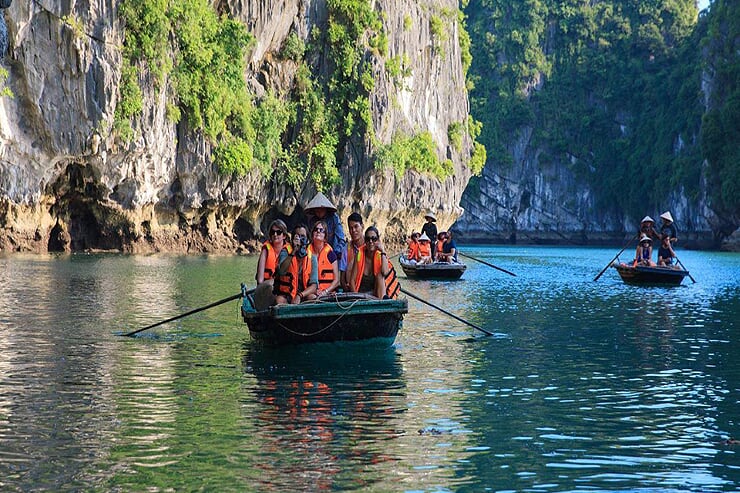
{"type": "Point", "coordinates": [320, 200]}
{"type": "Point", "coordinates": [424, 237]}
{"type": "Point", "coordinates": [647, 219]}
{"type": "Point", "coordinates": [667, 216]}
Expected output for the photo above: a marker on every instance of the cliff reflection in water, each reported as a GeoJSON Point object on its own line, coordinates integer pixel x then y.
{"type": "Point", "coordinates": [323, 410]}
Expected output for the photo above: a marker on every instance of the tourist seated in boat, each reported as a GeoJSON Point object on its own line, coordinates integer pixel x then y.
{"type": "Point", "coordinates": [356, 230]}
{"type": "Point", "coordinates": [430, 229]}
{"type": "Point", "coordinates": [644, 252]}
{"type": "Point", "coordinates": [667, 227]}
{"type": "Point", "coordinates": [372, 272]}
{"type": "Point", "coordinates": [425, 250]}
{"type": "Point", "coordinates": [320, 208]}
{"type": "Point", "coordinates": [296, 278]}
{"type": "Point", "coordinates": [437, 246]}
{"type": "Point", "coordinates": [277, 241]}
{"type": "Point", "coordinates": [268, 261]}
{"type": "Point", "coordinates": [329, 277]}
{"type": "Point", "coordinates": [448, 249]}
{"type": "Point", "coordinates": [647, 228]}
{"type": "Point", "coordinates": [412, 252]}
{"type": "Point", "coordinates": [666, 255]}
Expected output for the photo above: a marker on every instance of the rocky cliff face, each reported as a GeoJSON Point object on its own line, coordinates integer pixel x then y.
{"type": "Point", "coordinates": [541, 183]}
{"type": "Point", "coordinates": [544, 203]}
{"type": "Point", "coordinates": [67, 183]}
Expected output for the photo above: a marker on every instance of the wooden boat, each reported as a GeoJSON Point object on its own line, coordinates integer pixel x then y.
{"type": "Point", "coordinates": [343, 317]}
{"type": "Point", "coordinates": [435, 270]}
{"type": "Point", "coordinates": [644, 275]}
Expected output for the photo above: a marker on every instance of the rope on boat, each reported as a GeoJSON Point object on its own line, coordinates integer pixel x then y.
{"type": "Point", "coordinates": [346, 311]}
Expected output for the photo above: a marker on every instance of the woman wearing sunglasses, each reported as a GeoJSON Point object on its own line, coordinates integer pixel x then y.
{"type": "Point", "coordinates": [327, 259]}
{"type": "Point", "coordinates": [376, 276]}
{"type": "Point", "coordinates": [268, 261]}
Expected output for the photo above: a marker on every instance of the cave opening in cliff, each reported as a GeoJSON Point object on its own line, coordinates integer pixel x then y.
{"type": "Point", "coordinates": [243, 230]}
{"type": "Point", "coordinates": [84, 231]}
{"type": "Point", "coordinates": [58, 239]}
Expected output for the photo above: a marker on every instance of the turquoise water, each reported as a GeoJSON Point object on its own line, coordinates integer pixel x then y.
{"type": "Point", "coordinates": [585, 386]}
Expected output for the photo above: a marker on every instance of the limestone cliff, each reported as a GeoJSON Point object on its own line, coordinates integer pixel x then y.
{"type": "Point", "coordinates": [68, 182]}
{"type": "Point", "coordinates": [590, 127]}
{"type": "Point", "coordinates": [536, 202]}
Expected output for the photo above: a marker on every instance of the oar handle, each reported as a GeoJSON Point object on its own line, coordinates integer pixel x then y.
{"type": "Point", "coordinates": [446, 312]}
{"type": "Point", "coordinates": [486, 263]}
{"type": "Point", "coordinates": [244, 292]}
{"type": "Point", "coordinates": [615, 257]}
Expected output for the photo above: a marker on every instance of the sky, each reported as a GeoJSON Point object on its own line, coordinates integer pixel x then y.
{"type": "Point", "coordinates": [703, 4]}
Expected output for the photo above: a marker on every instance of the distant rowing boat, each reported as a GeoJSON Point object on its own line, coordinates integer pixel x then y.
{"type": "Point", "coordinates": [644, 275]}
{"type": "Point", "coordinates": [435, 270]}
{"type": "Point", "coordinates": [339, 318]}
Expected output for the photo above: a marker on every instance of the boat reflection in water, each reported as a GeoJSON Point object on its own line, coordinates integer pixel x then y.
{"type": "Point", "coordinates": [326, 414]}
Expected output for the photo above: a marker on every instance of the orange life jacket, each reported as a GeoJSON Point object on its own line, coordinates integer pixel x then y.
{"type": "Point", "coordinates": [326, 269]}
{"type": "Point", "coordinates": [287, 284]}
{"type": "Point", "coordinates": [391, 281]}
{"type": "Point", "coordinates": [440, 244]}
{"type": "Point", "coordinates": [413, 253]}
{"type": "Point", "coordinates": [425, 249]}
{"type": "Point", "coordinates": [272, 258]}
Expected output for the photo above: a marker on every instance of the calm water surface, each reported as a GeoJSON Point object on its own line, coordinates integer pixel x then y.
{"type": "Point", "coordinates": [586, 386]}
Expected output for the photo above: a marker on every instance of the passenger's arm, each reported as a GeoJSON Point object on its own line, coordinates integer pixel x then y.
{"type": "Point", "coordinates": [261, 266]}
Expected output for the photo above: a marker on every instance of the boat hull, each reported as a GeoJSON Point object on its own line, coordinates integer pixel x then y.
{"type": "Point", "coordinates": [436, 270]}
{"type": "Point", "coordinates": [643, 275]}
{"type": "Point", "coordinates": [347, 318]}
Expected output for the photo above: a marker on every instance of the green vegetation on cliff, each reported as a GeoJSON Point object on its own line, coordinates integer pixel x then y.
{"type": "Point", "coordinates": [611, 88]}
{"type": "Point", "coordinates": [206, 72]}
{"type": "Point", "coordinates": [720, 133]}
{"type": "Point", "coordinates": [4, 90]}
{"type": "Point", "coordinates": [199, 57]}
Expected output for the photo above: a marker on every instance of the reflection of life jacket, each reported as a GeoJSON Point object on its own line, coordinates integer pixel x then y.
{"type": "Point", "coordinates": [326, 269]}
{"type": "Point", "coordinates": [287, 284]}
{"type": "Point", "coordinates": [391, 281]}
{"type": "Point", "coordinates": [413, 253]}
{"type": "Point", "coordinates": [425, 249]}
{"type": "Point", "coordinates": [272, 259]}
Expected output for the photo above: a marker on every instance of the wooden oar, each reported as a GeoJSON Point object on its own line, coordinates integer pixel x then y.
{"type": "Point", "coordinates": [446, 312]}
{"type": "Point", "coordinates": [486, 263]}
{"type": "Point", "coordinates": [684, 268]}
{"type": "Point", "coordinates": [242, 294]}
{"type": "Point", "coordinates": [615, 257]}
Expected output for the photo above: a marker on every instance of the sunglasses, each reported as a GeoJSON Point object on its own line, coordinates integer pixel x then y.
{"type": "Point", "coordinates": [319, 230]}
{"type": "Point", "coordinates": [371, 238]}
{"type": "Point", "coordinates": [276, 231]}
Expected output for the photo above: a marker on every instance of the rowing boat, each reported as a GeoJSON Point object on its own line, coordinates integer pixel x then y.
{"type": "Point", "coordinates": [341, 317]}
{"type": "Point", "coordinates": [435, 270]}
{"type": "Point", "coordinates": [643, 275]}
